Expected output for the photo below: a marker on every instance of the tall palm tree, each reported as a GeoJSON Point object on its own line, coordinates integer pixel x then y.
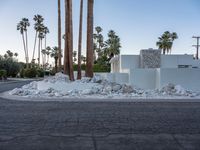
{"type": "Point", "coordinates": [80, 40]}
{"type": "Point", "coordinates": [38, 23]}
{"type": "Point", "coordinates": [165, 42]}
{"type": "Point", "coordinates": [90, 47]}
{"type": "Point", "coordinates": [174, 36]}
{"type": "Point", "coordinates": [22, 27]}
{"type": "Point", "coordinates": [54, 54]}
{"type": "Point", "coordinates": [40, 38]}
{"type": "Point", "coordinates": [59, 36]}
{"type": "Point", "coordinates": [46, 31]}
{"type": "Point", "coordinates": [48, 49]}
{"type": "Point", "coordinates": [113, 44]}
{"type": "Point", "coordinates": [69, 40]}
{"type": "Point", "coordinates": [99, 41]}
{"type": "Point", "coordinates": [26, 24]}
{"type": "Point", "coordinates": [66, 52]}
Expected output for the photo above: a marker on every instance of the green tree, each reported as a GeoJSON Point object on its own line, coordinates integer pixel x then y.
{"type": "Point", "coordinates": [48, 49]}
{"type": "Point", "coordinates": [113, 44]}
{"type": "Point", "coordinates": [37, 26]}
{"type": "Point", "coordinates": [54, 54]}
{"type": "Point", "coordinates": [22, 27]}
{"type": "Point", "coordinates": [98, 41]}
{"type": "Point", "coordinates": [165, 42]}
{"type": "Point", "coordinates": [74, 54]}
{"type": "Point", "coordinates": [45, 31]}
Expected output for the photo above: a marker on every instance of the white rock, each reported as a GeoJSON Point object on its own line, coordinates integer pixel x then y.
{"type": "Point", "coordinates": [116, 88]}
{"type": "Point", "coordinates": [86, 92]}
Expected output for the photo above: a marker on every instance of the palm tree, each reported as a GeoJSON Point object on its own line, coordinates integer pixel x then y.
{"type": "Point", "coordinates": [59, 35]}
{"type": "Point", "coordinates": [46, 31]}
{"type": "Point", "coordinates": [99, 41]}
{"type": "Point", "coordinates": [38, 23]}
{"type": "Point", "coordinates": [26, 24]}
{"type": "Point", "coordinates": [48, 49]}
{"type": "Point", "coordinates": [83, 58]}
{"type": "Point", "coordinates": [113, 44]}
{"type": "Point", "coordinates": [40, 38]}
{"type": "Point", "coordinates": [74, 56]}
{"type": "Point", "coordinates": [165, 42]}
{"type": "Point", "coordinates": [54, 54]}
{"type": "Point", "coordinates": [43, 57]}
{"type": "Point", "coordinates": [174, 36]}
{"type": "Point", "coordinates": [80, 40]}
{"type": "Point", "coordinates": [22, 27]}
{"type": "Point", "coordinates": [90, 51]}
{"type": "Point", "coordinates": [15, 54]}
{"type": "Point", "coordinates": [68, 61]}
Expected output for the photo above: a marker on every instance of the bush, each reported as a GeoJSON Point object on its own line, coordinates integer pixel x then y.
{"type": "Point", "coordinates": [40, 72]}
{"type": "Point", "coordinates": [46, 73]}
{"type": "Point", "coordinates": [3, 74]}
{"type": "Point", "coordinates": [52, 72]}
{"type": "Point", "coordinates": [22, 73]}
{"type": "Point", "coordinates": [96, 68]}
{"type": "Point", "coordinates": [30, 72]}
{"type": "Point", "coordinates": [101, 68]}
{"type": "Point", "coordinates": [11, 66]}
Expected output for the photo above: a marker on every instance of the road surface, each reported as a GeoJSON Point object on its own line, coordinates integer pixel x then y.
{"type": "Point", "coordinates": [98, 125]}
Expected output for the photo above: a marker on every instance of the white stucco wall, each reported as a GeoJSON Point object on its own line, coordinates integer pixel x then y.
{"type": "Point", "coordinates": [129, 62]}
{"type": "Point", "coordinates": [143, 78]}
{"type": "Point", "coordinates": [186, 77]}
{"type": "Point", "coordinates": [122, 78]}
{"type": "Point", "coordinates": [172, 61]}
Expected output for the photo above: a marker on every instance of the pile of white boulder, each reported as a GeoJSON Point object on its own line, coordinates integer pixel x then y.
{"type": "Point", "coordinates": [60, 86]}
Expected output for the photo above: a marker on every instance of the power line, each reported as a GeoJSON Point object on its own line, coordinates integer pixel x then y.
{"type": "Point", "coordinates": [197, 46]}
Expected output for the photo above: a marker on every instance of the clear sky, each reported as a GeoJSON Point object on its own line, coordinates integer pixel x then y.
{"type": "Point", "coordinates": [138, 23]}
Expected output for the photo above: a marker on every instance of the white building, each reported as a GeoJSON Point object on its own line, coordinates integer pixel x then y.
{"type": "Point", "coordinates": [152, 70]}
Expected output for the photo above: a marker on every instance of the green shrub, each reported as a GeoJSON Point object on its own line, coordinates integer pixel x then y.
{"type": "Point", "coordinates": [83, 66]}
{"type": "Point", "coordinates": [46, 73]}
{"type": "Point", "coordinates": [101, 68]}
{"type": "Point", "coordinates": [40, 72]}
{"type": "Point", "coordinates": [52, 72]}
{"type": "Point", "coordinates": [96, 68]}
{"type": "Point", "coordinates": [3, 74]}
{"type": "Point", "coordinates": [11, 66]}
{"type": "Point", "coordinates": [22, 73]}
{"type": "Point", "coordinates": [30, 72]}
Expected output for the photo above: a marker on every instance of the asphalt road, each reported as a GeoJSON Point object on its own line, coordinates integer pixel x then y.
{"type": "Point", "coordinates": [98, 125]}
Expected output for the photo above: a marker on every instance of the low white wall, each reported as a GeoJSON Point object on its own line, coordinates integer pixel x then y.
{"type": "Point", "coordinates": [143, 78]}
{"type": "Point", "coordinates": [186, 77]}
{"type": "Point", "coordinates": [121, 78]}
{"type": "Point", "coordinates": [129, 62]}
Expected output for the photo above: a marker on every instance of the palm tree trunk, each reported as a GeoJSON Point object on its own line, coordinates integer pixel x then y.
{"type": "Point", "coordinates": [27, 47]}
{"type": "Point", "coordinates": [34, 45]}
{"type": "Point", "coordinates": [90, 52]}
{"type": "Point", "coordinates": [42, 54]}
{"type": "Point", "coordinates": [80, 40]}
{"type": "Point", "coordinates": [66, 60]}
{"type": "Point", "coordinates": [24, 50]}
{"type": "Point", "coordinates": [70, 41]}
{"type": "Point", "coordinates": [45, 42]}
{"type": "Point", "coordinates": [56, 64]}
{"type": "Point", "coordinates": [39, 53]}
{"type": "Point", "coordinates": [59, 36]}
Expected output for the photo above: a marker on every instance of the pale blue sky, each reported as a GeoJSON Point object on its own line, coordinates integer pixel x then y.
{"type": "Point", "coordinates": [137, 22]}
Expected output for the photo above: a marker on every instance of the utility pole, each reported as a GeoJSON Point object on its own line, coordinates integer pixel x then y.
{"type": "Point", "coordinates": [197, 46]}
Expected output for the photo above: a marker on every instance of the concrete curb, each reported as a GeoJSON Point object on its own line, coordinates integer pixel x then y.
{"type": "Point", "coordinates": [5, 95]}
